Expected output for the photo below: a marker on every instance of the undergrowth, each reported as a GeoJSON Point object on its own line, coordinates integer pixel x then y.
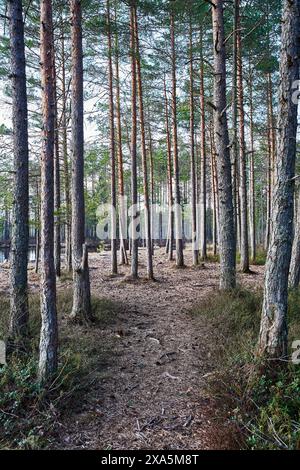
{"type": "Point", "coordinates": [29, 415]}
{"type": "Point", "coordinates": [265, 407]}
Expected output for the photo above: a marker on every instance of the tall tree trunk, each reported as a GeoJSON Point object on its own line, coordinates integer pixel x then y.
{"type": "Point", "coordinates": [252, 205]}
{"type": "Point", "coordinates": [273, 330]}
{"type": "Point", "coordinates": [195, 243]}
{"type": "Point", "coordinates": [203, 219]}
{"type": "Point", "coordinates": [122, 206]}
{"type": "Point", "coordinates": [214, 184]}
{"type": "Point", "coordinates": [68, 238]}
{"type": "Point", "coordinates": [82, 295]}
{"type": "Point", "coordinates": [271, 156]}
{"type": "Point", "coordinates": [234, 144]}
{"type": "Point", "coordinates": [242, 147]}
{"type": "Point", "coordinates": [170, 178]}
{"type": "Point", "coordinates": [114, 262]}
{"type": "Point", "coordinates": [49, 333]}
{"type": "Point", "coordinates": [226, 216]}
{"type": "Point", "coordinates": [272, 130]}
{"type": "Point", "coordinates": [178, 215]}
{"type": "Point", "coordinates": [134, 200]}
{"type": "Point", "coordinates": [269, 179]}
{"type": "Point", "coordinates": [152, 192]}
{"type": "Point", "coordinates": [20, 225]}
{"type": "Point", "coordinates": [144, 154]}
{"type": "Point", "coordinates": [57, 225]}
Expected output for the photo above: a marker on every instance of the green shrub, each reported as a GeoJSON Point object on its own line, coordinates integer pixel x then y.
{"type": "Point", "coordinates": [27, 412]}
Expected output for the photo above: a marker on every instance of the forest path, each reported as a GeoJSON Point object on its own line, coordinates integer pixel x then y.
{"type": "Point", "coordinates": [150, 394]}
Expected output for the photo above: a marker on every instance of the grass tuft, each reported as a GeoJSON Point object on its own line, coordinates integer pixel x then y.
{"type": "Point", "coordinates": [265, 408]}
{"type": "Point", "coordinates": [29, 415]}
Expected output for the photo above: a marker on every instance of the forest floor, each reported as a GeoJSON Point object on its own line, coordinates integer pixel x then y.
{"type": "Point", "coordinates": [149, 388]}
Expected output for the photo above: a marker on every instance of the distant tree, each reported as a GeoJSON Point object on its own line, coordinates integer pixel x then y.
{"type": "Point", "coordinates": [178, 218]}
{"type": "Point", "coordinates": [114, 263]}
{"type": "Point", "coordinates": [134, 189]}
{"type": "Point", "coordinates": [144, 153]}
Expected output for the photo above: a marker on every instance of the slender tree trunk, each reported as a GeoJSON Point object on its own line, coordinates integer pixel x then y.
{"type": "Point", "coordinates": [37, 250]}
{"type": "Point", "coordinates": [272, 131]}
{"type": "Point", "coordinates": [271, 157]}
{"type": "Point", "coordinates": [134, 201]}
{"type": "Point", "coordinates": [226, 215]}
{"type": "Point", "coordinates": [114, 262]}
{"type": "Point", "coordinates": [273, 330]}
{"type": "Point", "coordinates": [57, 225]}
{"type": "Point", "coordinates": [269, 179]}
{"type": "Point", "coordinates": [252, 205]}
{"type": "Point", "coordinates": [122, 207]}
{"type": "Point", "coordinates": [195, 243]}
{"type": "Point", "coordinates": [242, 147]}
{"type": "Point", "coordinates": [144, 154]}
{"type": "Point", "coordinates": [234, 144]}
{"type": "Point", "coordinates": [214, 184]}
{"type": "Point", "coordinates": [203, 220]}
{"type": "Point", "coordinates": [178, 215]}
{"type": "Point", "coordinates": [49, 333]}
{"type": "Point", "coordinates": [37, 229]}
{"type": "Point", "coordinates": [170, 178]}
{"type": "Point", "coordinates": [152, 193]}
{"type": "Point", "coordinates": [20, 226]}
{"type": "Point", "coordinates": [82, 295]}
{"type": "Point", "coordinates": [68, 240]}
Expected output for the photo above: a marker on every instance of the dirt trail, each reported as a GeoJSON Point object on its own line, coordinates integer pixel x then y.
{"type": "Point", "coordinates": [152, 395]}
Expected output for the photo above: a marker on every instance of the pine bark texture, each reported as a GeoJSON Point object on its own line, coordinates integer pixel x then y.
{"type": "Point", "coordinates": [81, 281]}
{"type": "Point", "coordinates": [122, 206]}
{"type": "Point", "coordinates": [170, 240]}
{"type": "Point", "coordinates": [195, 243]}
{"type": "Point", "coordinates": [234, 143]}
{"type": "Point", "coordinates": [57, 198]}
{"type": "Point", "coordinates": [67, 190]}
{"type": "Point", "coordinates": [144, 154]}
{"type": "Point", "coordinates": [226, 217]}
{"type": "Point", "coordinates": [20, 231]}
{"type": "Point", "coordinates": [273, 330]}
{"type": "Point", "coordinates": [114, 262]}
{"type": "Point", "coordinates": [203, 202]}
{"type": "Point", "coordinates": [252, 202]}
{"type": "Point", "coordinates": [49, 333]}
{"type": "Point", "coordinates": [178, 216]}
{"type": "Point", "coordinates": [244, 242]}
{"type": "Point", "coordinates": [133, 149]}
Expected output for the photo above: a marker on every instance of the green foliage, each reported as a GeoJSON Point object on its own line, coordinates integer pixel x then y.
{"type": "Point", "coordinates": [263, 402]}
{"type": "Point", "coordinates": [277, 423]}
{"type": "Point", "coordinates": [28, 413]}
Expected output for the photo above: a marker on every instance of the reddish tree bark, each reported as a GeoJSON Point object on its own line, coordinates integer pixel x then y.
{"type": "Point", "coordinates": [49, 333]}
{"type": "Point", "coordinates": [82, 295]}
